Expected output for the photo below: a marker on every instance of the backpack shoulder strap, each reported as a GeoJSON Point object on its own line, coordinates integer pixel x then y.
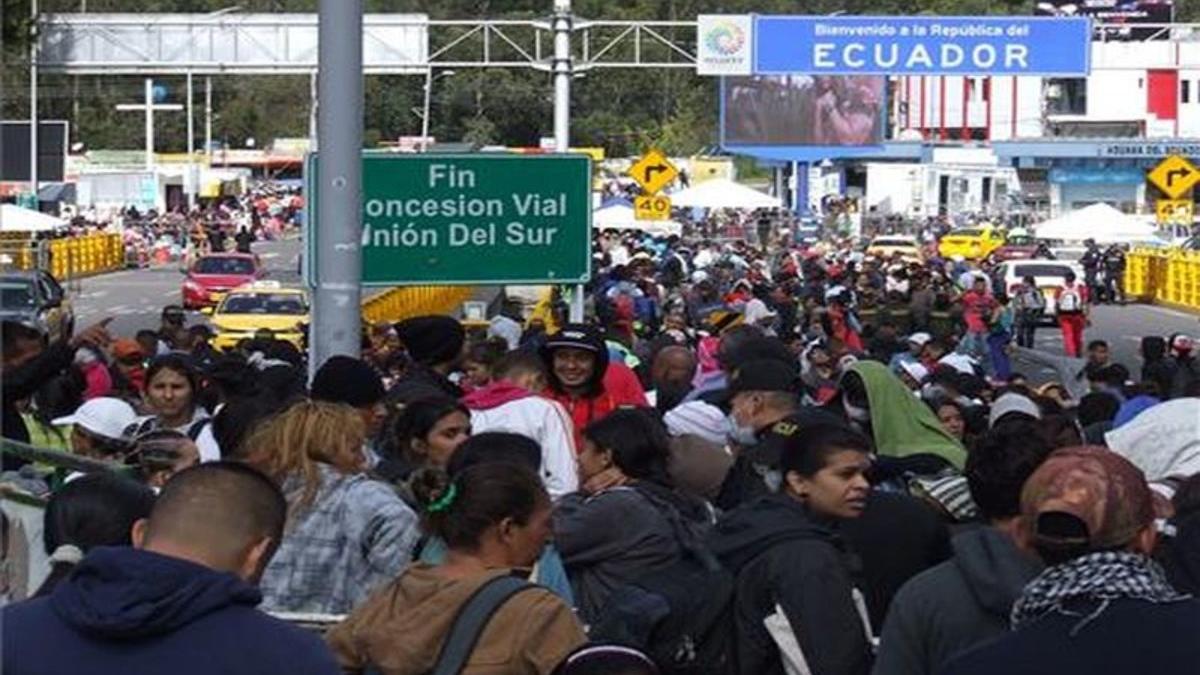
{"type": "Point", "coordinates": [472, 619]}
{"type": "Point", "coordinates": [197, 428]}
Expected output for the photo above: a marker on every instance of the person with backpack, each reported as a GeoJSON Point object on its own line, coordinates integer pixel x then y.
{"type": "Point", "coordinates": [474, 613]}
{"type": "Point", "coordinates": [622, 523]}
{"type": "Point", "coordinates": [172, 390]}
{"type": "Point", "coordinates": [1071, 304]}
{"type": "Point", "coordinates": [1028, 304]}
{"type": "Point", "coordinates": [795, 607]}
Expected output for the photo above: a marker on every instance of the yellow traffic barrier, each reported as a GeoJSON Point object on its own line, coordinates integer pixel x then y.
{"type": "Point", "coordinates": [87, 255]}
{"type": "Point", "coordinates": [1169, 277]}
{"type": "Point", "coordinates": [397, 304]}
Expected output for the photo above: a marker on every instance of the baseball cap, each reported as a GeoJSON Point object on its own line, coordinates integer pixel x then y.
{"type": "Point", "coordinates": [920, 338]}
{"type": "Point", "coordinates": [105, 417]}
{"type": "Point", "coordinates": [1100, 489]}
{"type": "Point", "coordinates": [1011, 403]}
{"type": "Point", "coordinates": [576, 336]}
{"type": "Point", "coordinates": [915, 370]}
{"type": "Point", "coordinates": [763, 375]}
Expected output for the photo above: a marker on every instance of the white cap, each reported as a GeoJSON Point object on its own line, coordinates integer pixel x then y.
{"type": "Point", "coordinates": [915, 370]}
{"type": "Point", "coordinates": [1013, 403]}
{"type": "Point", "coordinates": [921, 338]}
{"type": "Point", "coordinates": [697, 418]}
{"type": "Point", "coordinates": [105, 417]}
{"type": "Point", "coordinates": [960, 362]}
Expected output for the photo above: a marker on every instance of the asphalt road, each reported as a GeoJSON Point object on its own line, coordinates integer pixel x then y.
{"type": "Point", "coordinates": [135, 298]}
{"type": "Point", "coordinates": [1123, 328]}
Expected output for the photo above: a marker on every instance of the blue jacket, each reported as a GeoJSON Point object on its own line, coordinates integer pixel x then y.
{"type": "Point", "coordinates": [131, 611]}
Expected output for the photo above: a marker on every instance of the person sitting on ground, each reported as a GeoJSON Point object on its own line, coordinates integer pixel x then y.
{"type": "Point", "coordinates": [96, 510]}
{"type": "Point", "coordinates": [1102, 605]}
{"type": "Point", "coordinates": [966, 601]}
{"type": "Point", "coordinates": [507, 405]}
{"type": "Point", "coordinates": [181, 600]}
{"type": "Point", "coordinates": [347, 534]}
{"type": "Point", "coordinates": [495, 519]}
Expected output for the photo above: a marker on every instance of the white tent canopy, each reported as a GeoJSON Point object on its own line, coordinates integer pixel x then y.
{"type": "Point", "coordinates": [15, 218]}
{"type": "Point", "coordinates": [620, 216]}
{"type": "Point", "coordinates": [721, 193]}
{"type": "Point", "coordinates": [1101, 222]}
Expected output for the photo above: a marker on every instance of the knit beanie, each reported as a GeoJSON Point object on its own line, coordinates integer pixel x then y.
{"type": "Point", "coordinates": [432, 339]}
{"type": "Point", "coordinates": [343, 379]}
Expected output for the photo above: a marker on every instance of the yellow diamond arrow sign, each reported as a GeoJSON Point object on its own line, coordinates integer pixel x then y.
{"type": "Point", "coordinates": [653, 171]}
{"type": "Point", "coordinates": [1175, 176]}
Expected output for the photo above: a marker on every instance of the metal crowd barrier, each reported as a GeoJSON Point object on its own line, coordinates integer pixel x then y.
{"type": "Point", "coordinates": [1168, 277]}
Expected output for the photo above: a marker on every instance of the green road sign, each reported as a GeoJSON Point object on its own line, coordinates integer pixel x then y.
{"type": "Point", "coordinates": [471, 219]}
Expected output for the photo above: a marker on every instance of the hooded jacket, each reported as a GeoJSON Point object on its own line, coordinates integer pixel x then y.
{"type": "Point", "coordinates": [955, 606]}
{"type": "Point", "coordinates": [125, 610]}
{"type": "Point", "coordinates": [780, 556]}
{"type": "Point", "coordinates": [504, 406]}
{"type": "Point", "coordinates": [611, 386]}
{"type": "Point", "coordinates": [400, 630]}
{"type": "Point", "coordinates": [901, 424]}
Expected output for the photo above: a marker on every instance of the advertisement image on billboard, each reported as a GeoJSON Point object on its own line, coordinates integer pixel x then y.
{"type": "Point", "coordinates": [803, 110]}
{"type": "Point", "coordinates": [1120, 17]}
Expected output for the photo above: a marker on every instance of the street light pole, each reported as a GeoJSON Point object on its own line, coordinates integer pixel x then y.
{"type": "Point", "coordinates": [33, 104]}
{"type": "Point", "coordinates": [562, 109]}
{"type": "Point", "coordinates": [337, 311]}
{"type": "Point", "coordinates": [425, 114]}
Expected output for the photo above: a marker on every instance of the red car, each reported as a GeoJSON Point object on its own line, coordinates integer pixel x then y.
{"type": "Point", "coordinates": [212, 276]}
{"type": "Point", "coordinates": [1019, 246]}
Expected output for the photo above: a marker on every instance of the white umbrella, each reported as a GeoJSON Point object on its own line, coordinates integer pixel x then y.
{"type": "Point", "coordinates": [621, 217]}
{"type": "Point", "coordinates": [721, 193]}
{"type": "Point", "coordinates": [15, 218]}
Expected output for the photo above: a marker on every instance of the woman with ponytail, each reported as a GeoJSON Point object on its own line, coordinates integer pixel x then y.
{"type": "Point", "coordinates": [495, 521]}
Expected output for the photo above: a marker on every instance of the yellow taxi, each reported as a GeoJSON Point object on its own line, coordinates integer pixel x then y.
{"type": "Point", "coordinates": [260, 306]}
{"type": "Point", "coordinates": [972, 243]}
{"type": "Point", "coordinates": [886, 246]}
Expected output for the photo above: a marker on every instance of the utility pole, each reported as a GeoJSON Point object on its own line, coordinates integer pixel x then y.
{"type": "Point", "coordinates": [191, 183]}
{"type": "Point", "coordinates": [33, 105]}
{"type": "Point", "coordinates": [563, 67]}
{"type": "Point", "coordinates": [337, 303]}
{"type": "Point", "coordinates": [208, 119]}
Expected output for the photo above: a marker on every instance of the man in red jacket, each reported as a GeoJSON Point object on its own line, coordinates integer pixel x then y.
{"type": "Point", "coordinates": [583, 379]}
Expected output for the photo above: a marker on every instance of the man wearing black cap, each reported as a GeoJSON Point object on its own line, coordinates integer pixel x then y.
{"type": "Point", "coordinates": [435, 347]}
{"type": "Point", "coordinates": [350, 381]}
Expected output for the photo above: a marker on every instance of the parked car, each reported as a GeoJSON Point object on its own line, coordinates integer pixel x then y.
{"type": "Point", "coordinates": [212, 276]}
{"type": "Point", "coordinates": [258, 306]}
{"type": "Point", "coordinates": [1047, 274]}
{"type": "Point", "coordinates": [973, 243]}
{"type": "Point", "coordinates": [35, 298]}
{"type": "Point", "coordinates": [1020, 245]}
{"type": "Point", "coordinates": [885, 247]}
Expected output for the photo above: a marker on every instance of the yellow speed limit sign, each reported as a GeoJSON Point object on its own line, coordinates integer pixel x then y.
{"type": "Point", "coordinates": [1174, 211]}
{"type": "Point", "coordinates": [651, 208]}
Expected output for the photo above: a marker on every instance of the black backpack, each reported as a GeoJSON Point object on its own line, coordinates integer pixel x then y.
{"type": "Point", "coordinates": [680, 616]}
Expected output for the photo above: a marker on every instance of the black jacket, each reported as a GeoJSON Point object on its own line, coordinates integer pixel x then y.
{"type": "Point", "coordinates": [21, 383]}
{"type": "Point", "coordinates": [780, 556]}
{"type": "Point", "coordinates": [1128, 636]}
{"type": "Point", "coordinates": [422, 382]}
{"type": "Point", "coordinates": [897, 537]}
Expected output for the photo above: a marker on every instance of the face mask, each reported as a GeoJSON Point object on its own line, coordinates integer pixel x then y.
{"type": "Point", "coordinates": [741, 435]}
{"type": "Point", "coordinates": [855, 413]}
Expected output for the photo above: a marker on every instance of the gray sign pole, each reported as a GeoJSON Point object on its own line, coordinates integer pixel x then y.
{"type": "Point", "coordinates": [337, 313]}
{"type": "Point", "coordinates": [33, 106]}
{"type": "Point", "coordinates": [562, 109]}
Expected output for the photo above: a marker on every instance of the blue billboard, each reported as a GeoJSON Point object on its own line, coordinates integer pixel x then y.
{"type": "Point", "coordinates": [902, 45]}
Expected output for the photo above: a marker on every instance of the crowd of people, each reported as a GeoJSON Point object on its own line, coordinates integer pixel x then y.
{"type": "Point", "coordinates": [749, 459]}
